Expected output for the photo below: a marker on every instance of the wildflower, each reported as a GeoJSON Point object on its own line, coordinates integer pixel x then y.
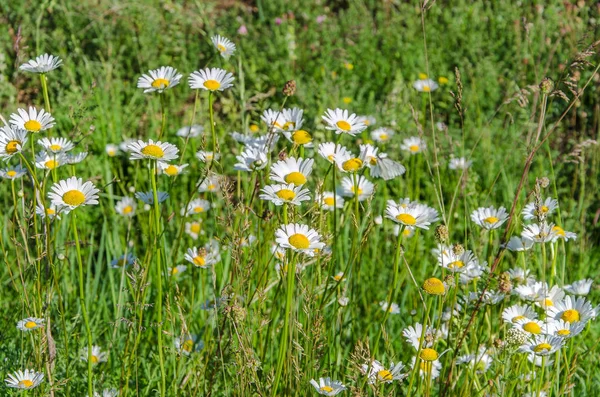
{"type": "Point", "coordinates": [151, 150]}
{"type": "Point", "coordinates": [515, 313]}
{"type": "Point", "coordinates": [489, 218]}
{"type": "Point", "coordinates": [243, 30]}
{"type": "Point", "coordinates": [342, 122]}
{"type": "Point", "coordinates": [56, 145]}
{"type": "Point", "coordinates": [443, 80]}
{"type": "Point", "coordinates": [581, 287]}
{"type": "Point", "coordinates": [251, 159]}
{"type": "Point", "coordinates": [177, 270]}
{"type": "Point", "coordinates": [107, 393]}
{"type": "Point", "coordinates": [413, 145]}
{"type": "Point", "coordinates": [542, 345]}
{"type": "Point", "coordinates": [416, 337]}
{"type": "Point", "coordinates": [204, 257]}
{"type": "Point", "coordinates": [225, 47]}
{"type": "Point", "coordinates": [148, 197]}
{"type": "Point", "coordinates": [207, 157]}
{"type": "Point", "coordinates": [368, 120]}
{"type": "Point", "coordinates": [425, 85]}
{"type": "Point", "coordinates": [428, 368]}
{"type": "Point", "coordinates": [539, 233]}
{"type": "Point", "coordinates": [72, 193]}
{"type": "Point", "coordinates": [211, 79]}
{"type": "Point", "coordinates": [363, 188]}
{"type": "Point", "coordinates": [564, 329]}
{"type": "Point", "coordinates": [126, 207]}
{"type": "Point", "coordinates": [331, 152]}
{"type": "Point", "coordinates": [123, 261]}
{"type": "Point", "coordinates": [289, 88]}
{"type": "Point", "coordinates": [572, 310]}
{"type": "Point", "coordinates": [411, 215]}
{"type": "Point", "coordinates": [299, 238]}
{"type": "Point", "coordinates": [51, 211]}
{"type": "Point", "coordinates": [194, 229]}
{"type": "Point", "coordinates": [41, 64]}
{"type": "Point", "coordinates": [187, 344]}
{"type": "Point", "coordinates": [170, 169]}
{"type": "Point", "coordinates": [299, 137]}
{"type": "Point", "coordinates": [97, 357]}
{"type": "Point", "coordinates": [460, 163]}
{"type": "Point", "coordinates": [378, 373]}
{"type": "Point", "coordinates": [159, 80]}
{"type": "Point", "coordinates": [329, 200]}
{"type": "Point", "coordinates": [560, 233]}
{"type": "Point", "coordinates": [379, 164]}
{"type": "Point", "coordinates": [519, 244]}
{"type": "Point", "coordinates": [531, 326]}
{"type": "Point", "coordinates": [546, 208]}
{"type": "Point", "coordinates": [49, 161]}
{"type": "Point", "coordinates": [328, 387]}
{"type": "Point", "coordinates": [32, 120]}
{"type": "Point", "coordinates": [292, 170]}
{"type": "Point", "coordinates": [12, 141]}
{"type": "Point", "coordinates": [30, 323]}
{"type": "Point", "coordinates": [75, 158]}
{"type": "Point", "coordinates": [434, 286]}
{"type": "Point", "coordinates": [190, 132]}
{"type": "Point", "coordinates": [392, 309]}
{"type": "Point", "coordinates": [279, 194]}
{"type": "Point", "coordinates": [27, 379]}
{"type": "Point", "coordinates": [382, 135]}
{"type": "Point", "coordinates": [13, 172]}
{"type": "Point", "coordinates": [520, 276]}
{"type": "Point", "coordinates": [196, 206]}
{"type": "Point", "coordinates": [457, 263]}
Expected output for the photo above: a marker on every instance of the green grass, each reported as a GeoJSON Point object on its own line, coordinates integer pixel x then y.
{"type": "Point", "coordinates": [364, 57]}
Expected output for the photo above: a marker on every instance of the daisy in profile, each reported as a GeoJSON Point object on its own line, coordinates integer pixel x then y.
{"type": "Point", "coordinates": [148, 197]}
{"type": "Point", "coordinates": [413, 336]}
{"type": "Point", "coordinates": [71, 158]}
{"type": "Point", "coordinates": [342, 122]}
{"type": "Point", "coordinates": [27, 379]}
{"type": "Point", "coordinates": [542, 345]}
{"type": "Point", "coordinates": [413, 145]}
{"type": "Point", "coordinates": [329, 200]}
{"type": "Point", "coordinates": [489, 218]}
{"type": "Point", "coordinates": [72, 193]}
{"type": "Point", "coordinates": [516, 313]}
{"type": "Point", "coordinates": [12, 141]}
{"type": "Point", "coordinates": [13, 172]}
{"type": "Point", "coordinates": [564, 329]}
{"type": "Point", "coordinates": [164, 151]}
{"type": "Point", "coordinates": [580, 288]}
{"type": "Point", "coordinates": [299, 238]}
{"type": "Point", "coordinates": [539, 233]}
{"type": "Point", "coordinates": [32, 120]}
{"type": "Point", "coordinates": [280, 194]}
{"type": "Point", "coordinates": [56, 145]}
{"type": "Point", "coordinates": [369, 121]}
{"type": "Point", "coordinates": [459, 163]}
{"type": "Point", "coordinates": [211, 79]}
{"type": "Point", "coordinates": [170, 169]}
{"type": "Point", "coordinates": [546, 208]}
{"type": "Point", "coordinates": [111, 150]}
{"type": "Point", "coordinates": [425, 85]}
{"type": "Point", "coordinates": [377, 373]}
{"type": "Point", "coordinates": [225, 47]}
{"type": "Point", "coordinates": [30, 323]}
{"type": "Point", "coordinates": [187, 344]}
{"type": "Point", "coordinates": [411, 215]}
{"type": "Point", "coordinates": [560, 233]}
{"type": "Point", "coordinates": [49, 161]}
{"type": "Point", "coordinates": [97, 356]}
{"type": "Point", "coordinates": [124, 146]}
{"type": "Point", "coordinates": [251, 159]}
{"type": "Point", "coordinates": [572, 310]}
{"type": "Point", "coordinates": [292, 119]}
{"type": "Point", "coordinates": [292, 170]}
{"type": "Point", "coordinates": [159, 80]}
{"type": "Point", "coordinates": [51, 211]}
{"type": "Point", "coordinates": [519, 244]}
{"type": "Point", "coordinates": [203, 257]}
{"type": "Point", "coordinates": [123, 261]}
{"type": "Point", "coordinates": [328, 387]}
{"type": "Point", "coordinates": [392, 309]}
{"type": "Point", "coordinates": [194, 229]}
{"type": "Point", "coordinates": [210, 184]}
{"type": "Point", "coordinates": [548, 297]}
{"type": "Point", "coordinates": [379, 164]}
{"type": "Point", "coordinates": [107, 393]}
{"type": "Point", "coordinates": [41, 64]}
{"type": "Point", "coordinates": [177, 270]}
{"type": "Point", "coordinates": [382, 135]}
{"type": "Point", "coordinates": [330, 151]}
{"type": "Point", "coordinates": [273, 119]}
{"type": "Point", "coordinates": [190, 132]}
{"type": "Point", "coordinates": [207, 157]}
{"type": "Point", "coordinates": [126, 207]}
{"type": "Point", "coordinates": [363, 188]}
{"type": "Point", "coordinates": [195, 207]}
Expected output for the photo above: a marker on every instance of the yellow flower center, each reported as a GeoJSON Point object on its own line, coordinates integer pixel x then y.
{"type": "Point", "coordinates": [343, 125]}
{"type": "Point", "coordinates": [301, 137]}
{"type": "Point", "coordinates": [195, 228]}
{"type": "Point", "coordinates": [422, 76]}
{"type": "Point", "coordinates": [55, 148]}
{"type": "Point", "coordinates": [33, 126]}
{"type": "Point", "coordinates": [331, 157]}
{"type": "Point", "coordinates": [563, 332]}
{"type": "Point", "coordinates": [326, 389]}
{"type": "Point", "coordinates": [26, 383]}
{"type": "Point", "coordinates": [198, 209]}
{"type": "Point", "coordinates": [443, 80]}
{"type": "Point", "coordinates": [297, 178]}
{"type": "Point", "coordinates": [356, 191]}
{"type": "Point", "coordinates": [286, 194]}
{"type": "Point", "coordinates": [541, 347]}
{"type": "Point", "coordinates": [558, 230]}
{"type": "Point", "coordinates": [188, 345]}
{"type": "Point", "coordinates": [254, 128]}
{"type": "Point", "coordinates": [199, 260]}
{"type": "Point", "coordinates": [426, 88]}
{"type": "Point", "coordinates": [385, 375]}
{"type": "Point", "coordinates": [111, 152]}
{"type": "Point", "coordinates": [211, 187]}
{"type": "Point", "coordinates": [338, 277]}
{"type": "Point", "coordinates": [212, 85]}
{"type": "Point", "coordinates": [171, 170]}
{"type": "Point", "coordinates": [456, 265]}
{"type": "Point", "coordinates": [174, 271]}
{"type": "Point", "coordinates": [160, 83]}
{"type": "Point", "coordinates": [491, 219]}
{"type": "Point", "coordinates": [299, 241]}
{"type": "Point", "coordinates": [548, 302]}
{"type": "Point", "coordinates": [428, 354]}
{"type": "Point", "coordinates": [95, 359]}
{"type": "Point", "coordinates": [127, 210]}
{"type": "Point", "coordinates": [51, 164]}
{"type": "Point", "coordinates": [73, 198]}
{"type": "Point", "coordinates": [221, 48]}
{"type": "Point", "coordinates": [434, 286]}
{"type": "Point", "coordinates": [532, 328]}
{"type": "Point", "coordinates": [11, 173]}
{"type": "Point", "coordinates": [570, 316]}
{"type": "Point", "coordinates": [50, 211]}
{"type": "Point", "coordinates": [414, 148]}
{"type": "Point", "coordinates": [347, 100]}
{"type": "Point", "coordinates": [352, 165]}
{"type": "Point", "coordinates": [12, 147]}
{"type": "Point", "coordinates": [544, 209]}
{"type": "Point", "coordinates": [30, 324]}
{"type": "Point", "coordinates": [328, 201]}
{"type": "Point", "coordinates": [288, 124]}
{"type": "Point", "coordinates": [153, 151]}
{"type": "Point", "coordinates": [383, 137]}
{"type": "Point", "coordinates": [517, 318]}
{"type": "Point", "coordinates": [406, 219]}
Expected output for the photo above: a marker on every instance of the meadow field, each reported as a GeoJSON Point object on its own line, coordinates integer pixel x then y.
{"type": "Point", "coordinates": [303, 197]}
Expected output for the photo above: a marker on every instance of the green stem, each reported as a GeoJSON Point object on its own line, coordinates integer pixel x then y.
{"type": "Point", "coordinates": [163, 109]}
{"type": "Point", "coordinates": [45, 91]}
{"type": "Point", "coordinates": [212, 124]}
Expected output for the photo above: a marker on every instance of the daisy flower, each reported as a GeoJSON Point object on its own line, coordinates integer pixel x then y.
{"type": "Point", "coordinates": [107, 393]}
{"type": "Point", "coordinates": [193, 132]}
{"type": "Point", "coordinates": [425, 85]}
{"type": "Point", "coordinates": [264, 143]}
{"type": "Point", "coordinates": [12, 141]}
{"type": "Point", "coordinates": [515, 313]}
{"type": "Point", "coordinates": [292, 119]}
{"type": "Point", "coordinates": [187, 344]}
{"type": "Point", "coordinates": [379, 164]}
{"type": "Point", "coordinates": [392, 309]}
{"type": "Point", "coordinates": [41, 64]}
{"type": "Point", "coordinates": [328, 387]}
{"type": "Point", "coordinates": [30, 323]}
{"type": "Point", "coordinates": [75, 158]}
{"type": "Point", "coordinates": [13, 172]}
{"type": "Point", "coordinates": [207, 157]}
{"type": "Point", "coordinates": [460, 163]}
{"type": "Point", "coordinates": [194, 229]}
{"type": "Point", "coordinates": [225, 47]}
{"type": "Point", "coordinates": [151, 150]}
{"type": "Point", "coordinates": [560, 233]}
{"type": "Point", "coordinates": [376, 372]}
{"type": "Point", "coordinates": [457, 262]}
{"type": "Point", "coordinates": [148, 197]}
{"type": "Point", "coordinates": [542, 345]}
{"type": "Point", "coordinates": [32, 120]}
{"type": "Point", "coordinates": [158, 80]}
{"type": "Point", "coordinates": [564, 329]}
{"type": "Point", "coordinates": [72, 193]}
{"type": "Point", "coordinates": [123, 261]}
{"type": "Point", "coordinates": [292, 170]}
{"type": "Point", "coordinates": [170, 169]}
{"type": "Point", "coordinates": [330, 151]}
{"type": "Point", "coordinates": [285, 193]}
{"type": "Point", "coordinates": [124, 146]}
{"type": "Point", "coordinates": [27, 379]}
{"type": "Point", "coordinates": [531, 326]}
{"type": "Point", "coordinates": [382, 135]}
{"type": "Point", "coordinates": [363, 188]}
{"type": "Point", "coordinates": [210, 184]}
{"type": "Point", "coordinates": [581, 287]}
{"type": "Point", "coordinates": [51, 211]}
{"type": "Point", "coordinates": [329, 200]}
{"type": "Point", "coordinates": [174, 271]}
{"type": "Point", "coordinates": [413, 336]}
{"type": "Point", "coordinates": [427, 368]}
{"type": "Point", "coordinates": [411, 215]}
{"type": "Point", "coordinates": [251, 159]}
{"type": "Point", "coordinates": [299, 137]}
{"type": "Point", "coordinates": [489, 218]}
{"type": "Point", "coordinates": [519, 244]}
{"type": "Point", "coordinates": [539, 233]}
{"type": "Point", "coordinates": [413, 145]}
{"type": "Point", "coordinates": [347, 162]}
{"type": "Point", "coordinates": [203, 257]}
{"type": "Point", "coordinates": [299, 238]}
{"type": "Point", "coordinates": [520, 276]}
{"type": "Point", "coordinates": [549, 297]}
{"type": "Point", "coordinates": [572, 309]}
{"type": "Point", "coordinates": [368, 120]}
{"type": "Point", "coordinates": [49, 161]}
{"type": "Point", "coordinates": [273, 119]}
{"type": "Point", "coordinates": [546, 208]}
{"type": "Point", "coordinates": [195, 207]}
{"type": "Point", "coordinates": [56, 145]}
{"type": "Point", "coordinates": [211, 79]}
{"type": "Point", "coordinates": [97, 357]}
{"type": "Point", "coordinates": [126, 207]}
{"type": "Point", "coordinates": [342, 122]}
